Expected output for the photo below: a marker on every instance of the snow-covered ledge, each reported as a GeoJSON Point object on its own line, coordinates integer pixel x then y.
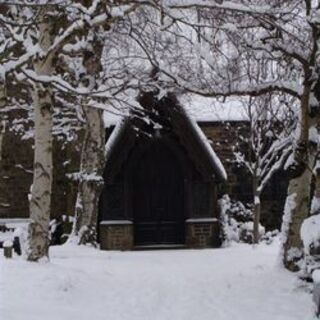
{"type": "Point", "coordinates": [115, 222]}
{"type": "Point", "coordinates": [201, 220]}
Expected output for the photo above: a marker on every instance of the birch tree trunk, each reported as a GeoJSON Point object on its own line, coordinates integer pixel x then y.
{"type": "Point", "coordinates": [2, 132]}
{"type": "Point", "coordinates": [2, 104]}
{"type": "Point", "coordinates": [297, 204]}
{"type": "Point", "coordinates": [38, 230]}
{"type": "Point", "coordinates": [255, 181]}
{"type": "Point", "coordinates": [256, 217]}
{"type": "Point", "coordinates": [92, 158]}
{"type": "Point", "coordinates": [91, 181]}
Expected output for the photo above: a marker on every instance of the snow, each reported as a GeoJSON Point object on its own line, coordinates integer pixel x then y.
{"type": "Point", "coordinates": [316, 276]}
{"type": "Point", "coordinates": [238, 282]}
{"type": "Point", "coordinates": [14, 222]}
{"type": "Point", "coordinates": [113, 116]}
{"type": "Point", "coordinates": [7, 235]}
{"type": "Point", "coordinates": [310, 232]}
{"type": "Point", "coordinates": [200, 108]}
{"type": "Point", "coordinates": [113, 137]}
{"type": "Point", "coordinates": [215, 160]}
{"type": "Point", "coordinates": [201, 220]}
{"type": "Point", "coordinates": [115, 222]}
{"type": "Point", "coordinates": [249, 227]}
{"type": "Point", "coordinates": [210, 109]}
{"type": "Point", "coordinates": [7, 244]}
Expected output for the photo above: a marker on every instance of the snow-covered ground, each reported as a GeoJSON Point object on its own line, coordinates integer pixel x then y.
{"type": "Point", "coordinates": [236, 283]}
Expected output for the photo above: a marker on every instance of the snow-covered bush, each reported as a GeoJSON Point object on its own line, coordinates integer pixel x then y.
{"type": "Point", "coordinates": [229, 225]}
{"type": "Point", "coordinates": [246, 231]}
{"type": "Point", "coordinates": [238, 211]}
{"type": "Point", "coordinates": [236, 221]}
{"type": "Point", "coordinates": [269, 236]}
{"type": "Point", "coordinates": [310, 235]}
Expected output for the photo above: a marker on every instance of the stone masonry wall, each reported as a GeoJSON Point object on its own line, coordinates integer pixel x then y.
{"type": "Point", "coordinates": [202, 234]}
{"type": "Point", "coordinates": [116, 236]}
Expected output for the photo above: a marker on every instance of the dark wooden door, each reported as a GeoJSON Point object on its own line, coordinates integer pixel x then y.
{"type": "Point", "coordinates": [158, 197]}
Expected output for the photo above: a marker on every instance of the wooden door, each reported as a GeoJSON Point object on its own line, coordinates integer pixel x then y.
{"type": "Point", "coordinates": [158, 197]}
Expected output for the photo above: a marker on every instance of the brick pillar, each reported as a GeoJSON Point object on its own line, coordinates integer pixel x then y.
{"type": "Point", "coordinates": [116, 235]}
{"type": "Point", "coordinates": [203, 233]}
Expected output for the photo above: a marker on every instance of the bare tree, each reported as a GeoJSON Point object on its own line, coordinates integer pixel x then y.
{"type": "Point", "coordinates": [264, 148]}
{"type": "Point", "coordinates": [277, 40]}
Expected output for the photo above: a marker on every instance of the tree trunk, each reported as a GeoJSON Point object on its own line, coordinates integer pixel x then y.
{"type": "Point", "coordinates": [297, 205]}
{"type": "Point", "coordinates": [91, 181]}
{"type": "Point", "coordinates": [256, 214]}
{"type": "Point", "coordinates": [92, 157]}
{"type": "Point", "coordinates": [38, 230]}
{"type": "Point", "coordinates": [2, 132]}
{"type": "Point", "coordinates": [2, 122]}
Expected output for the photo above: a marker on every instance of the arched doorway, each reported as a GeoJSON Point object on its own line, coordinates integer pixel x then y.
{"type": "Point", "coordinates": [157, 195]}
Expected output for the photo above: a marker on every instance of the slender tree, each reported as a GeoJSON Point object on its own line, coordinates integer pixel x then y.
{"type": "Point", "coordinates": [264, 148]}
{"type": "Point", "coordinates": [93, 154]}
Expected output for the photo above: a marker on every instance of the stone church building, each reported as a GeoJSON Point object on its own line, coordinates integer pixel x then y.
{"type": "Point", "coordinates": [165, 172]}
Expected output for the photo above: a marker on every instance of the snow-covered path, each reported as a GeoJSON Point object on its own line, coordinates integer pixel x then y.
{"type": "Point", "coordinates": [237, 283]}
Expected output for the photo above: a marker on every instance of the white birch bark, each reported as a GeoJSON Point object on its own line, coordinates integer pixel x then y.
{"type": "Point", "coordinates": [297, 205]}
{"type": "Point", "coordinates": [2, 122]}
{"type": "Point", "coordinates": [256, 211]}
{"type": "Point", "coordinates": [38, 230]}
{"type": "Point", "coordinates": [91, 183]}
{"type": "Point", "coordinates": [92, 159]}
{"type": "Point", "coordinates": [2, 132]}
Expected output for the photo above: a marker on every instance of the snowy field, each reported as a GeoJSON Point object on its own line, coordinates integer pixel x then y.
{"type": "Point", "coordinates": [236, 283]}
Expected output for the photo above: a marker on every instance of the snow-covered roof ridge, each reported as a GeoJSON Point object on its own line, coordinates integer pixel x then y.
{"type": "Point", "coordinates": [116, 132]}
{"type": "Point", "coordinates": [203, 140]}
{"type": "Point", "coordinates": [185, 127]}
{"type": "Point", "coordinates": [199, 108]}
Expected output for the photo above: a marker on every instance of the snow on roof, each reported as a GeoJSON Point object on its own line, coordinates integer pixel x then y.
{"type": "Point", "coordinates": [113, 115]}
{"type": "Point", "coordinates": [214, 159]}
{"type": "Point", "coordinates": [209, 109]}
{"type": "Point", "coordinates": [120, 124]}
{"type": "Point", "coordinates": [199, 108]}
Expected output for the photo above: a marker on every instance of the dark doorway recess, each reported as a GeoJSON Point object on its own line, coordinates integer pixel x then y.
{"type": "Point", "coordinates": [157, 195]}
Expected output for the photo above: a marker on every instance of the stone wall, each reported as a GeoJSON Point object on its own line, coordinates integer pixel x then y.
{"type": "Point", "coordinates": [116, 235]}
{"type": "Point", "coordinates": [203, 233]}
{"type": "Point", "coordinates": [119, 234]}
